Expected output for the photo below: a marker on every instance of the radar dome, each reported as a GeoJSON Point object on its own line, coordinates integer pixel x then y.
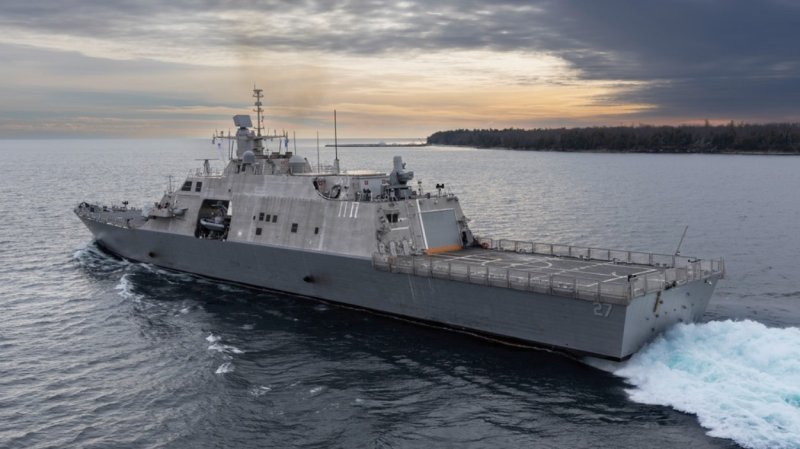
{"type": "Point", "coordinates": [248, 157]}
{"type": "Point", "coordinates": [298, 164]}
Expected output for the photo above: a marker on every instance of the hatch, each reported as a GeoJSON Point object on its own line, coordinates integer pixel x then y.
{"type": "Point", "coordinates": [441, 231]}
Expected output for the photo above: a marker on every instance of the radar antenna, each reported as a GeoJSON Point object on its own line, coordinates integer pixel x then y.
{"type": "Point", "coordinates": [258, 95]}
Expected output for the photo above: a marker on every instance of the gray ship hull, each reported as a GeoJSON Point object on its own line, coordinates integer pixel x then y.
{"type": "Point", "coordinates": [613, 331]}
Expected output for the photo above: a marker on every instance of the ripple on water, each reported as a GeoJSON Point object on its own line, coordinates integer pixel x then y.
{"type": "Point", "coordinates": [101, 352]}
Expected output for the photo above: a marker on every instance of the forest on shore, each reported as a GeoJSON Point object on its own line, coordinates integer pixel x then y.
{"type": "Point", "coordinates": [770, 138]}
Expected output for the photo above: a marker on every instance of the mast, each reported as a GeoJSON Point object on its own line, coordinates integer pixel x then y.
{"type": "Point", "coordinates": [335, 144]}
{"type": "Point", "coordinates": [258, 95]}
{"type": "Point", "coordinates": [678, 251]}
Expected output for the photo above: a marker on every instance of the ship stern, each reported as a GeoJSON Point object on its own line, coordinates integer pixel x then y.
{"type": "Point", "coordinates": [650, 315]}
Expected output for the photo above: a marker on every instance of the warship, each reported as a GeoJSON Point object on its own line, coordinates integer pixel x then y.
{"type": "Point", "coordinates": [374, 241]}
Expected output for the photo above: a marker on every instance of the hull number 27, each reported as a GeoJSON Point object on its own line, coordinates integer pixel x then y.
{"type": "Point", "coordinates": [601, 309]}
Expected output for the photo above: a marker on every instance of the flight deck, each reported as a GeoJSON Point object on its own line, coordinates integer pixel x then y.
{"type": "Point", "coordinates": [595, 274]}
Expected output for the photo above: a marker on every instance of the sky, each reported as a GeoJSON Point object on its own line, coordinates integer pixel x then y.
{"type": "Point", "coordinates": [179, 68]}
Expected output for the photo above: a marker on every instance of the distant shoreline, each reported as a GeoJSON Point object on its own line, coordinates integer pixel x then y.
{"type": "Point", "coordinates": [768, 139]}
{"type": "Point", "coordinates": [376, 145]}
{"type": "Point", "coordinates": [605, 151]}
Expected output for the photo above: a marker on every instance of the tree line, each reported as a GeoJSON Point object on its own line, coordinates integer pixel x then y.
{"type": "Point", "coordinates": [730, 138]}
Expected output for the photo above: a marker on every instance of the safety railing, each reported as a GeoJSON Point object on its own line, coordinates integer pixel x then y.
{"type": "Point", "coordinates": [618, 291]}
{"type": "Point", "coordinates": [107, 219]}
{"type": "Point", "coordinates": [601, 254]}
{"type": "Point", "coordinates": [202, 173]}
{"type": "Point", "coordinates": [110, 215]}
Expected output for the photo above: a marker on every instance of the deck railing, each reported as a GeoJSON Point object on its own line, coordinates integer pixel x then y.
{"type": "Point", "coordinates": [110, 215]}
{"type": "Point", "coordinates": [600, 254]}
{"type": "Point", "coordinates": [673, 271]}
{"type": "Point", "coordinates": [107, 219]}
{"type": "Point", "coordinates": [202, 173]}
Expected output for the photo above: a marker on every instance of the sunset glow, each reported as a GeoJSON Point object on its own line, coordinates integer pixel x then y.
{"type": "Point", "coordinates": [394, 70]}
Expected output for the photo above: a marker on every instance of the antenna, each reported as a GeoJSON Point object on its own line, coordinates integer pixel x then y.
{"type": "Point", "coordinates": [230, 145]}
{"type": "Point", "coordinates": [335, 144]}
{"type": "Point", "coordinates": [257, 94]}
{"type": "Point", "coordinates": [678, 251]}
{"type": "Point", "coordinates": [317, 151]}
{"type": "Point", "coordinates": [294, 141]}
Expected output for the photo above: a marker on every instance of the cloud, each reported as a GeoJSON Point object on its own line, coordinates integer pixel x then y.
{"type": "Point", "coordinates": [668, 60]}
{"type": "Point", "coordinates": [699, 57]}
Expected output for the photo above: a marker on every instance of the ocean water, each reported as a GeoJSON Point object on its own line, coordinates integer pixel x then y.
{"type": "Point", "coordinates": [98, 352]}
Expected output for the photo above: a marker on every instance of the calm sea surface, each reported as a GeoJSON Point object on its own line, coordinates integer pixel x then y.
{"type": "Point", "coordinates": [97, 352]}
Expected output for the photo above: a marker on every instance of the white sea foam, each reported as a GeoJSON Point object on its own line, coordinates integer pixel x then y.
{"type": "Point", "coordinates": [89, 255]}
{"type": "Point", "coordinates": [315, 390]}
{"type": "Point", "coordinates": [213, 338]}
{"type": "Point", "coordinates": [81, 252]}
{"type": "Point", "coordinates": [224, 348]}
{"type": "Point", "coordinates": [228, 288]}
{"type": "Point", "coordinates": [171, 277]}
{"type": "Point", "coordinates": [125, 288]}
{"type": "Point", "coordinates": [260, 390]}
{"type": "Point", "coordinates": [226, 367]}
{"type": "Point", "coordinates": [741, 379]}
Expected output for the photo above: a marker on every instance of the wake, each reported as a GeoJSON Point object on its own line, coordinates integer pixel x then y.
{"type": "Point", "coordinates": [741, 379]}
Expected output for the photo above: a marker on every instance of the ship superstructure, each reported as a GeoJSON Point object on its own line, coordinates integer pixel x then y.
{"type": "Point", "coordinates": [373, 240]}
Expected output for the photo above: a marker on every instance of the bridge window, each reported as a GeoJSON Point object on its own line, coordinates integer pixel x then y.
{"type": "Point", "coordinates": [294, 227]}
{"type": "Point", "coordinates": [187, 186]}
{"type": "Point", "coordinates": [261, 216]}
{"type": "Point", "coordinates": [392, 217]}
{"type": "Point", "coordinates": [258, 231]}
{"type": "Point", "coordinates": [274, 218]}
{"type": "Point", "coordinates": [316, 231]}
{"type": "Point", "coordinates": [198, 186]}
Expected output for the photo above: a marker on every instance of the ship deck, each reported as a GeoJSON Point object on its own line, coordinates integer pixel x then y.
{"type": "Point", "coordinates": [591, 274]}
{"type": "Point", "coordinates": [543, 266]}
